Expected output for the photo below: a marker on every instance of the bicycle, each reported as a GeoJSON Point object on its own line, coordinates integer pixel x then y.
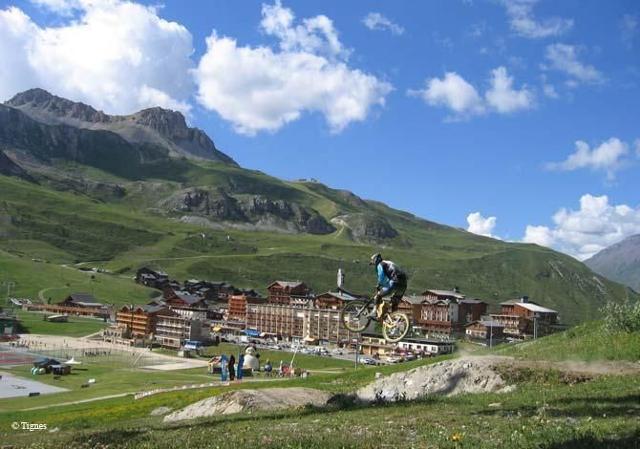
{"type": "Point", "coordinates": [357, 314]}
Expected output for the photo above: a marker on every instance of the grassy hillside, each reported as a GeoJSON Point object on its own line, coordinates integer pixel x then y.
{"type": "Point", "coordinates": [588, 341]}
{"type": "Point", "coordinates": [38, 222]}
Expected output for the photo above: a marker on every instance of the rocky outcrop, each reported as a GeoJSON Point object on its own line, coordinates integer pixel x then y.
{"type": "Point", "coordinates": [449, 378]}
{"type": "Point", "coordinates": [251, 401]}
{"type": "Point", "coordinates": [366, 227]}
{"type": "Point", "coordinates": [156, 126]}
{"type": "Point", "coordinates": [257, 210]}
{"type": "Point", "coordinates": [10, 168]}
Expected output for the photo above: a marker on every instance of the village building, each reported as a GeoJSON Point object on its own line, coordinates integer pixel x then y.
{"type": "Point", "coordinates": [426, 346]}
{"type": "Point", "coordinates": [281, 320]}
{"type": "Point", "coordinates": [141, 319]}
{"type": "Point", "coordinates": [308, 323]}
{"type": "Point", "coordinates": [81, 304]}
{"type": "Point", "coordinates": [152, 278]}
{"type": "Point", "coordinates": [375, 345]}
{"type": "Point", "coordinates": [178, 299]}
{"type": "Point", "coordinates": [172, 330]}
{"type": "Point", "coordinates": [334, 300]}
{"type": "Point", "coordinates": [281, 292]}
{"type": "Point", "coordinates": [523, 318]}
{"type": "Point", "coordinates": [487, 332]}
{"type": "Point", "coordinates": [442, 312]}
{"type": "Point", "coordinates": [82, 300]}
{"type": "Point", "coordinates": [238, 306]}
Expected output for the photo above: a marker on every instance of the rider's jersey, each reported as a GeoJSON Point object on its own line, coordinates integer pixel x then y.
{"type": "Point", "coordinates": [388, 272]}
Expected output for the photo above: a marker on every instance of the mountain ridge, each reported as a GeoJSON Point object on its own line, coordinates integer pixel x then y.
{"type": "Point", "coordinates": [153, 125]}
{"type": "Point", "coordinates": [619, 262]}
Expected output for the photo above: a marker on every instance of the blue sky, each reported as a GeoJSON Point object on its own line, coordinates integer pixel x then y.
{"type": "Point", "coordinates": [441, 108]}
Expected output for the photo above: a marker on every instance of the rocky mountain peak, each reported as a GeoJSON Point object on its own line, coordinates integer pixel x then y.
{"type": "Point", "coordinates": [155, 126]}
{"type": "Point", "coordinates": [41, 100]}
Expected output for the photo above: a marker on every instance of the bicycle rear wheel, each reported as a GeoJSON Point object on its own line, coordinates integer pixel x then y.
{"type": "Point", "coordinates": [355, 315]}
{"type": "Point", "coordinates": [395, 327]}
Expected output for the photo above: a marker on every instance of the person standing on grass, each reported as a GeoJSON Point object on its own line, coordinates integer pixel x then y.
{"type": "Point", "coordinates": [232, 362]}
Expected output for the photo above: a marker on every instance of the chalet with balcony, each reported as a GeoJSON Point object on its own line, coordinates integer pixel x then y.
{"type": "Point", "coordinates": [445, 312]}
{"type": "Point", "coordinates": [281, 292]}
{"type": "Point", "coordinates": [140, 320]}
{"type": "Point", "coordinates": [523, 318]}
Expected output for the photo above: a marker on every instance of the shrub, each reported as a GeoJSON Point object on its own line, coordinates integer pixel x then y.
{"type": "Point", "coordinates": [623, 317]}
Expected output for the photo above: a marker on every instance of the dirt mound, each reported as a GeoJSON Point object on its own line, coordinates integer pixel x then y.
{"type": "Point", "coordinates": [451, 377]}
{"type": "Point", "coordinates": [251, 401]}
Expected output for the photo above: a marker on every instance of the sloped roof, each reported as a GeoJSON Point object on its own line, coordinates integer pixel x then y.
{"type": "Point", "coordinates": [188, 298]}
{"type": "Point", "coordinates": [445, 293]}
{"type": "Point", "coordinates": [287, 284]}
{"type": "Point", "coordinates": [83, 298]}
{"type": "Point", "coordinates": [536, 307]}
{"type": "Point", "coordinates": [148, 308]}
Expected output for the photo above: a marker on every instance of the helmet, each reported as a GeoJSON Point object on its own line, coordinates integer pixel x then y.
{"type": "Point", "coordinates": [376, 259]}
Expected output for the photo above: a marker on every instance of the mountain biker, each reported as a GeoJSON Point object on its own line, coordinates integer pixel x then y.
{"type": "Point", "coordinates": [391, 281]}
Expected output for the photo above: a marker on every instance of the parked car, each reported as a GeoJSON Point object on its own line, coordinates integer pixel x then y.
{"type": "Point", "coordinates": [367, 361]}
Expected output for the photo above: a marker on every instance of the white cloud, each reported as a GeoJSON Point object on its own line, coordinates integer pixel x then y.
{"type": "Point", "coordinates": [315, 35]}
{"type": "Point", "coordinates": [116, 55]}
{"type": "Point", "coordinates": [609, 157]}
{"type": "Point", "coordinates": [524, 23]}
{"type": "Point", "coordinates": [564, 58]}
{"type": "Point", "coordinates": [455, 93]}
{"type": "Point", "coordinates": [636, 144]}
{"type": "Point", "coordinates": [376, 21]}
{"type": "Point", "coordinates": [262, 89]}
{"type": "Point", "coordinates": [503, 97]}
{"type": "Point", "coordinates": [584, 232]}
{"type": "Point", "coordinates": [481, 225]}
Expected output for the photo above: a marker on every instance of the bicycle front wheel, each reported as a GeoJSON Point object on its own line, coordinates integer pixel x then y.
{"type": "Point", "coordinates": [395, 327]}
{"type": "Point", "coordinates": [355, 315]}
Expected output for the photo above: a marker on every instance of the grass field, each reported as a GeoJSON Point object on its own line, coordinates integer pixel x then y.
{"type": "Point", "coordinates": [542, 413]}
{"type": "Point", "coordinates": [33, 323]}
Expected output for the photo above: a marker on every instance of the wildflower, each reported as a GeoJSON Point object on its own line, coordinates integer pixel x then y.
{"type": "Point", "coordinates": [456, 437]}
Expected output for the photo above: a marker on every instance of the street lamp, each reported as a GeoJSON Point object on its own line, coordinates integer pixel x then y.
{"type": "Point", "coordinates": [10, 285]}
